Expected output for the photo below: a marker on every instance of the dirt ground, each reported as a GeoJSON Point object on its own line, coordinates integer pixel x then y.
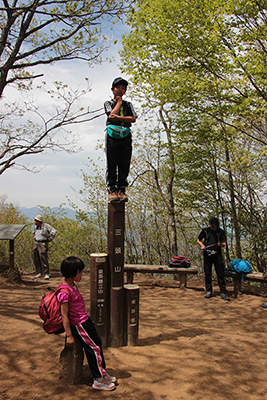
{"type": "Point", "coordinates": [189, 348]}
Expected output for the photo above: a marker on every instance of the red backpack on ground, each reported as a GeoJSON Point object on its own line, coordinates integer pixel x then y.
{"type": "Point", "coordinates": [49, 311]}
{"type": "Point", "coordinates": [179, 262]}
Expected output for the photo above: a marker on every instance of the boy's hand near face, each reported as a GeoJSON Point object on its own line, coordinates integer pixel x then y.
{"type": "Point", "coordinates": [115, 116]}
{"type": "Point", "coordinates": [118, 92]}
{"type": "Point", "coordinates": [118, 99]}
{"type": "Point", "coordinates": [115, 112]}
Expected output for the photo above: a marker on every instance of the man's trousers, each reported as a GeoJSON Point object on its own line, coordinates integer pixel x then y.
{"type": "Point", "coordinates": [217, 260]}
{"type": "Point", "coordinates": [40, 256]}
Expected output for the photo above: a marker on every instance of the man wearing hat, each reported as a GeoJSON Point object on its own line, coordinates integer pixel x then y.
{"type": "Point", "coordinates": [43, 233]}
{"type": "Point", "coordinates": [214, 239]}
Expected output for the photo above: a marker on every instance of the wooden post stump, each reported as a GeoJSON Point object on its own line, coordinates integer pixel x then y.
{"type": "Point", "coordinates": [132, 313]}
{"type": "Point", "coordinates": [71, 363]}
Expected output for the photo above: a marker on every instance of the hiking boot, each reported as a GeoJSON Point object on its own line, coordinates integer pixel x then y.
{"type": "Point", "coordinates": [113, 196]}
{"type": "Point", "coordinates": [123, 196]}
{"type": "Point", "coordinates": [110, 379]}
{"type": "Point", "coordinates": [38, 276]}
{"type": "Point", "coordinates": [208, 295]}
{"type": "Point", "coordinates": [103, 385]}
{"type": "Point", "coordinates": [225, 296]}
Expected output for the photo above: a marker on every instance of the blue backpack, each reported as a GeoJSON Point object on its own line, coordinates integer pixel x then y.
{"type": "Point", "coordinates": [238, 266]}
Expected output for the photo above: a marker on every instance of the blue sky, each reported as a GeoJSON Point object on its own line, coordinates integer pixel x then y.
{"type": "Point", "coordinates": [52, 185]}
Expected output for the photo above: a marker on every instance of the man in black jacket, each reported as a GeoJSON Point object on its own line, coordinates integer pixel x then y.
{"type": "Point", "coordinates": [211, 240]}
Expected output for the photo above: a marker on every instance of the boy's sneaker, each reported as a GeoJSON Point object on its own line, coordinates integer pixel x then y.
{"type": "Point", "coordinates": [104, 385]}
{"type": "Point", "coordinates": [122, 196]}
{"type": "Point", "coordinates": [38, 276]}
{"type": "Point", "coordinates": [46, 276]}
{"type": "Point", "coordinates": [113, 196]}
{"type": "Point", "coordinates": [110, 379]}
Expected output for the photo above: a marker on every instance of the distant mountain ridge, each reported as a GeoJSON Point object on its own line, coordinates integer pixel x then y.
{"type": "Point", "coordinates": [33, 211]}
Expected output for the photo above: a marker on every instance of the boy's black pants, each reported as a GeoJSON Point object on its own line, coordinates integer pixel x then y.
{"type": "Point", "coordinates": [118, 152]}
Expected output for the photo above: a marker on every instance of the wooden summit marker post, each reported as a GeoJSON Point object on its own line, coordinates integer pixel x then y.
{"type": "Point", "coordinates": [116, 227]}
{"type": "Point", "coordinates": [99, 295]}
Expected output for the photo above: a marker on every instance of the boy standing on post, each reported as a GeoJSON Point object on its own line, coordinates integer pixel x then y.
{"type": "Point", "coordinates": [121, 115]}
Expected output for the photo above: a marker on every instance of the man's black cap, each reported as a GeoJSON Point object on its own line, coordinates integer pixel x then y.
{"type": "Point", "coordinates": [214, 222]}
{"type": "Point", "coordinates": [119, 81]}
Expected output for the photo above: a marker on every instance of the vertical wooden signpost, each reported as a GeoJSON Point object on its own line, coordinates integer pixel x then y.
{"type": "Point", "coordinates": [116, 224]}
{"type": "Point", "coordinates": [12, 254]}
{"type": "Point", "coordinates": [99, 295]}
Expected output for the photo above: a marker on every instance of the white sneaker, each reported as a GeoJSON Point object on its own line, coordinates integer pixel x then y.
{"type": "Point", "coordinates": [104, 385]}
{"type": "Point", "coordinates": [110, 379]}
{"type": "Point", "coordinates": [46, 276]}
{"type": "Point", "coordinates": [38, 276]}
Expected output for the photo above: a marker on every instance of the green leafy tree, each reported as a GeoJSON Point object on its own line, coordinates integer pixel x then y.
{"type": "Point", "coordinates": [94, 196]}
{"type": "Point", "coordinates": [77, 237]}
{"type": "Point", "coordinates": [196, 60]}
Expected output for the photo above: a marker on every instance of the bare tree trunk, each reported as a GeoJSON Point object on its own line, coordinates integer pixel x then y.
{"type": "Point", "coordinates": [220, 204]}
{"type": "Point", "coordinates": [170, 199]}
{"type": "Point", "coordinates": [232, 199]}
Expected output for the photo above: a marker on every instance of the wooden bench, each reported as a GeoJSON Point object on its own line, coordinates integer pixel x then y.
{"type": "Point", "coordinates": [254, 277]}
{"type": "Point", "coordinates": [160, 269]}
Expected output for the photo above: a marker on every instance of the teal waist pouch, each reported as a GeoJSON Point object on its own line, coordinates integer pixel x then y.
{"type": "Point", "coordinates": [117, 132]}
